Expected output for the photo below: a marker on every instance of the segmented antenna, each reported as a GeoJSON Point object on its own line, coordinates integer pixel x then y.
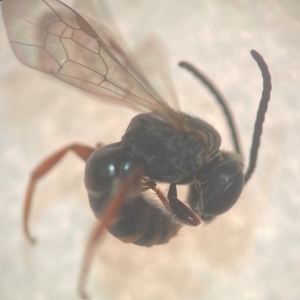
{"type": "Point", "coordinates": [220, 99]}
{"type": "Point", "coordinates": [262, 109]}
{"type": "Point", "coordinates": [260, 116]}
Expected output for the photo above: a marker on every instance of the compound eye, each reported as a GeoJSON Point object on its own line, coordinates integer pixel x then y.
{"type": "Point", "coordinates": [217, 185]}
{"type": "Point", "coordinates": [223, 197]}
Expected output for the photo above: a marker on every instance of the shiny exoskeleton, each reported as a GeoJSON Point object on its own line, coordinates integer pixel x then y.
{"type": "Point", "coordinates": [169, 156]}
{"type": "Point", "coordinates": [162, 145]}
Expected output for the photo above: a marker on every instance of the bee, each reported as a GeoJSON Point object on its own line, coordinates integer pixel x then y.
{"type": "Point", "coordinates": [160, 145]}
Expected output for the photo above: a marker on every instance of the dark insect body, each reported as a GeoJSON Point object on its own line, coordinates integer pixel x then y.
{"type": "Point", "coordinates": [161, 145]}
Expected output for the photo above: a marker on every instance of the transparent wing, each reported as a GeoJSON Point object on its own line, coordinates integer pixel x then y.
{"type": "Point", "coordinates": [151, 55]}
{"type": "Point", "coordinates": [49, 36]}
{"type": "Point", "coordinates": [152, 61]}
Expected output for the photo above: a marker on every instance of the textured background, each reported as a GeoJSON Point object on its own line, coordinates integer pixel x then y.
{"type": "Point", "coordinates": [251, 252]}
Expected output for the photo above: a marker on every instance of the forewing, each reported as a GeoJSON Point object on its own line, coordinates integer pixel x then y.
{"type": "Point", "coordinates": [152, 57]}
{"type": "Point", "coordinates": [48, 36]}
{"type": "Point", "coordinates": [149, 59]}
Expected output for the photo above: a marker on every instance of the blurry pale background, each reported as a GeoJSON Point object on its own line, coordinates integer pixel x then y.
{"type": "Point", "coordinates": [251, 252]}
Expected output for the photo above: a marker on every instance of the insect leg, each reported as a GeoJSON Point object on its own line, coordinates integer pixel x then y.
{"type": "Point", "coordinates": [127, 185]}
{"type": "Point", "coordinates": [81, 150]}
{"type": "Point", "coordinates": [153, 186]}
{"type": "Point", "coordinates": [181, 211]}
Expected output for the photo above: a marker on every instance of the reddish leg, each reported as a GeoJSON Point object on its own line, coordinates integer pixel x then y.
{"type": "Point", "coordinates": [128, 185]}
{"type": "Point", "coordinates": [150, 184]}
{"type": "Point", "coordinates": [181, 211]}
{"type": "Point", "coordinates": [82, 151]}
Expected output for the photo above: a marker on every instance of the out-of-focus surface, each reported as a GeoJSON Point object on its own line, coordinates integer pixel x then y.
{"type": "Point", "coordinates": [251, 252]}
